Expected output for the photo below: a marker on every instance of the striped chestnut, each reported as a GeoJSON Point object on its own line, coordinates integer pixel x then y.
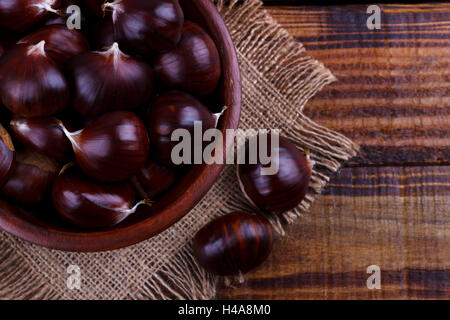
{"type": "Point", "coordinates": [234, 244]}
{"type": "Point", "coordinates": [194, 65]}
{"type": "Point", "coordinates": [32, 177]}
{"type": "Point", "coordinates": [43, 135]}
{"type": "Point", "coordinates": [7, 156]}
{"type": "Point", "coordinates": [90, 204]}
{"type": "Point", "coordinates": [111, 148]}
{"type": "Point", "coordinates": [275, 192]}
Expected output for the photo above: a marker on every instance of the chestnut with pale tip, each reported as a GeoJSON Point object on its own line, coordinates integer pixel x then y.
{"type": "Point", "coordinates": [194, 65]}
{"type": "Point", "coordinates": [7, 156]}
{"type": "Point", "coordinates": [31, 83]}
{"type": "Point", "coordinates": [282, 191]}
{"type": "Point", "coordinates": [109, 80]}
{"type": "Point", "coordinates": [90, 204]}
{"type": "Point", "coordinates": [20, 15]}
{"type": "Point", "coordinates": [146, 26]}
{"type": "Point", "coordinates": [234, 244]}
{"type": "Point", "coordinates": [61, 43]}
{"type": "Point", "coordinates": [32, 177]}
{"type": "Point", "coordinates": [171, 111]}
{"type": "Point", "coordinates": [43, 135]}
{"type": "Point", "coordinates": [111, 148]}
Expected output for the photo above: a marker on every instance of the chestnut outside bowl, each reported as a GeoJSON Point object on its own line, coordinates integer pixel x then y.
{"type": "Point", "coordinates": [42, 228]}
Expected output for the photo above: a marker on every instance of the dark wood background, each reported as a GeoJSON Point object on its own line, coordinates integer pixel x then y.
{"type": "Point", "coordinates": [390, 206]}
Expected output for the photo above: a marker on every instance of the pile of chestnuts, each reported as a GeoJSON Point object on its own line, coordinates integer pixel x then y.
{"type": "Point", "coordinates": [86, 119]}
{"type": "Point", "coordinates": [86, 114]}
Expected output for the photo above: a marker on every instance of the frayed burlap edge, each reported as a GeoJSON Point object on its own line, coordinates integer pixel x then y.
{"type": "Point", "coordinates": [266, 53]}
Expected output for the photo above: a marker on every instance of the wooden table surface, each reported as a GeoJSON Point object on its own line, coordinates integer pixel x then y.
{"type": "Point", "coordinates": [390, 206]}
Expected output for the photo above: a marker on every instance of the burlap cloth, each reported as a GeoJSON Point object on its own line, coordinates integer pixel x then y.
{"type": "Point", "coordinates": [278, 79]}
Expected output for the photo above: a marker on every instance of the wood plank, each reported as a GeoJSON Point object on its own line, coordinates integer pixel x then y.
{"type": "Point", "coordinates": [393, 93]}
{"type": "Point", "coordinates": [393, 217]}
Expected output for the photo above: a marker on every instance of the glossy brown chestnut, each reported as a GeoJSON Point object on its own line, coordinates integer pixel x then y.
{"type": "Point", "coordinates": [61, 44]}
{"type": "Point", "coordinates": [154, 179]}
{"type": "Point", "coordinates": [109, 80]}
{"type": "Point", "coordinates": [90, 204]}
{"type": "Point", "coordinates": [171, 111]}
{"type": "Point", "coordinates": [234, 244]}
{"type": "Point", "coordinates": [43, 135]}
{"type": "Point", "coordinates": [20, 15]}
{"type": "Point", "coordinates": [111, 148]}
{"type": "Point", "coordinates": [32, 177]}
{"type": "Point", "coordinates": [7, 156]}
{"type": "Point", "coordinates": [145, 26]}
{"type": "Point", "coordinates": [282, 191]}
{"type": "Point", "coordinates": [31, 83]}
{"type": "Point", "coordinates": [194, 65]}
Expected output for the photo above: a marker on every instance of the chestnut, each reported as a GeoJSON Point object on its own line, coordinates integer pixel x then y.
{"type": "Point", "coordinates": [154, 179]}
{"type": "Point", "coordinates": [33, 175]}
{"type": "Point", "coordinates": [111, 148]}
{"type": "Point", "coordinates": [90, 204]}
{"type": "Point", "coordinates": [282, 191]}
{"type": "Point", "coordinates": [19, 15]}
{"type": "Point", "coordinates": [43, 135]}
{"type": "Point", "coordinates": [171, 111]}
{"type": "Point", "coordinates": [60, 43]}
{"type": "Point", "coordinates": [194, 65]}
{"type": "Point", "coordinates": [109, 80]}
{"type": "Point", "coordinates": [31, 84]}
{"type": "Point", "coordinates": [233, 244]}
{"type": "Point", "coordinates": [7, 156]}
{"type": "Point", "coordinates": [146, 26]}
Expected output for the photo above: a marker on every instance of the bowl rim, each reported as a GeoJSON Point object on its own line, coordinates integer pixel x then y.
{"type": "Point", "coordinates": [12, 218]}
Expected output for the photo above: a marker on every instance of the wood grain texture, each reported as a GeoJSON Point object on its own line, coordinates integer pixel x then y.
{"type": "Point", "coordinates": [393, 217]}
{"type": "Point", "coordinates": [393, 93]}
{"type": "Point", "coordinates": [390, 206]}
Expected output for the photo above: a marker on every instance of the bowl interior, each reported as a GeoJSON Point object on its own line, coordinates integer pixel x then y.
{"type": "Point", "coordinates": [44, 227]}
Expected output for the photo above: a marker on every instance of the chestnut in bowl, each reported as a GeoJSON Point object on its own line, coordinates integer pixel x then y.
{"type": "Point", "coordinates": [19, 15]}
{"type": "Point", "coordinates": [146, 26]}
{"type": "Point", "coordinates": [89, 204]}
{"type": "Point", "coordinates": [234, 244]}
{"type": "Point", "coordinates": [193, 65]}
{"type": "Point", "coordinates": [43, 135]}
{"type": "Point", "coordinates": [26, 222]}
{"type": "Point", "coordinates": [111, 148]}
{"type": "Point", "coordinates": [31, 83]}
{"type": "Point", "coordinates": [171, 111]}
{"type": "Point", "coordinates": [61, 44]}
{"type": "Point", "coordinates": [32, 177]}
{"type": "Point", "coordinates": [109, 80]}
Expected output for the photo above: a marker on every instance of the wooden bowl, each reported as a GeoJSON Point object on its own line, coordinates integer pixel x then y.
{"type": "Point", "coordinates": [42, 228]}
